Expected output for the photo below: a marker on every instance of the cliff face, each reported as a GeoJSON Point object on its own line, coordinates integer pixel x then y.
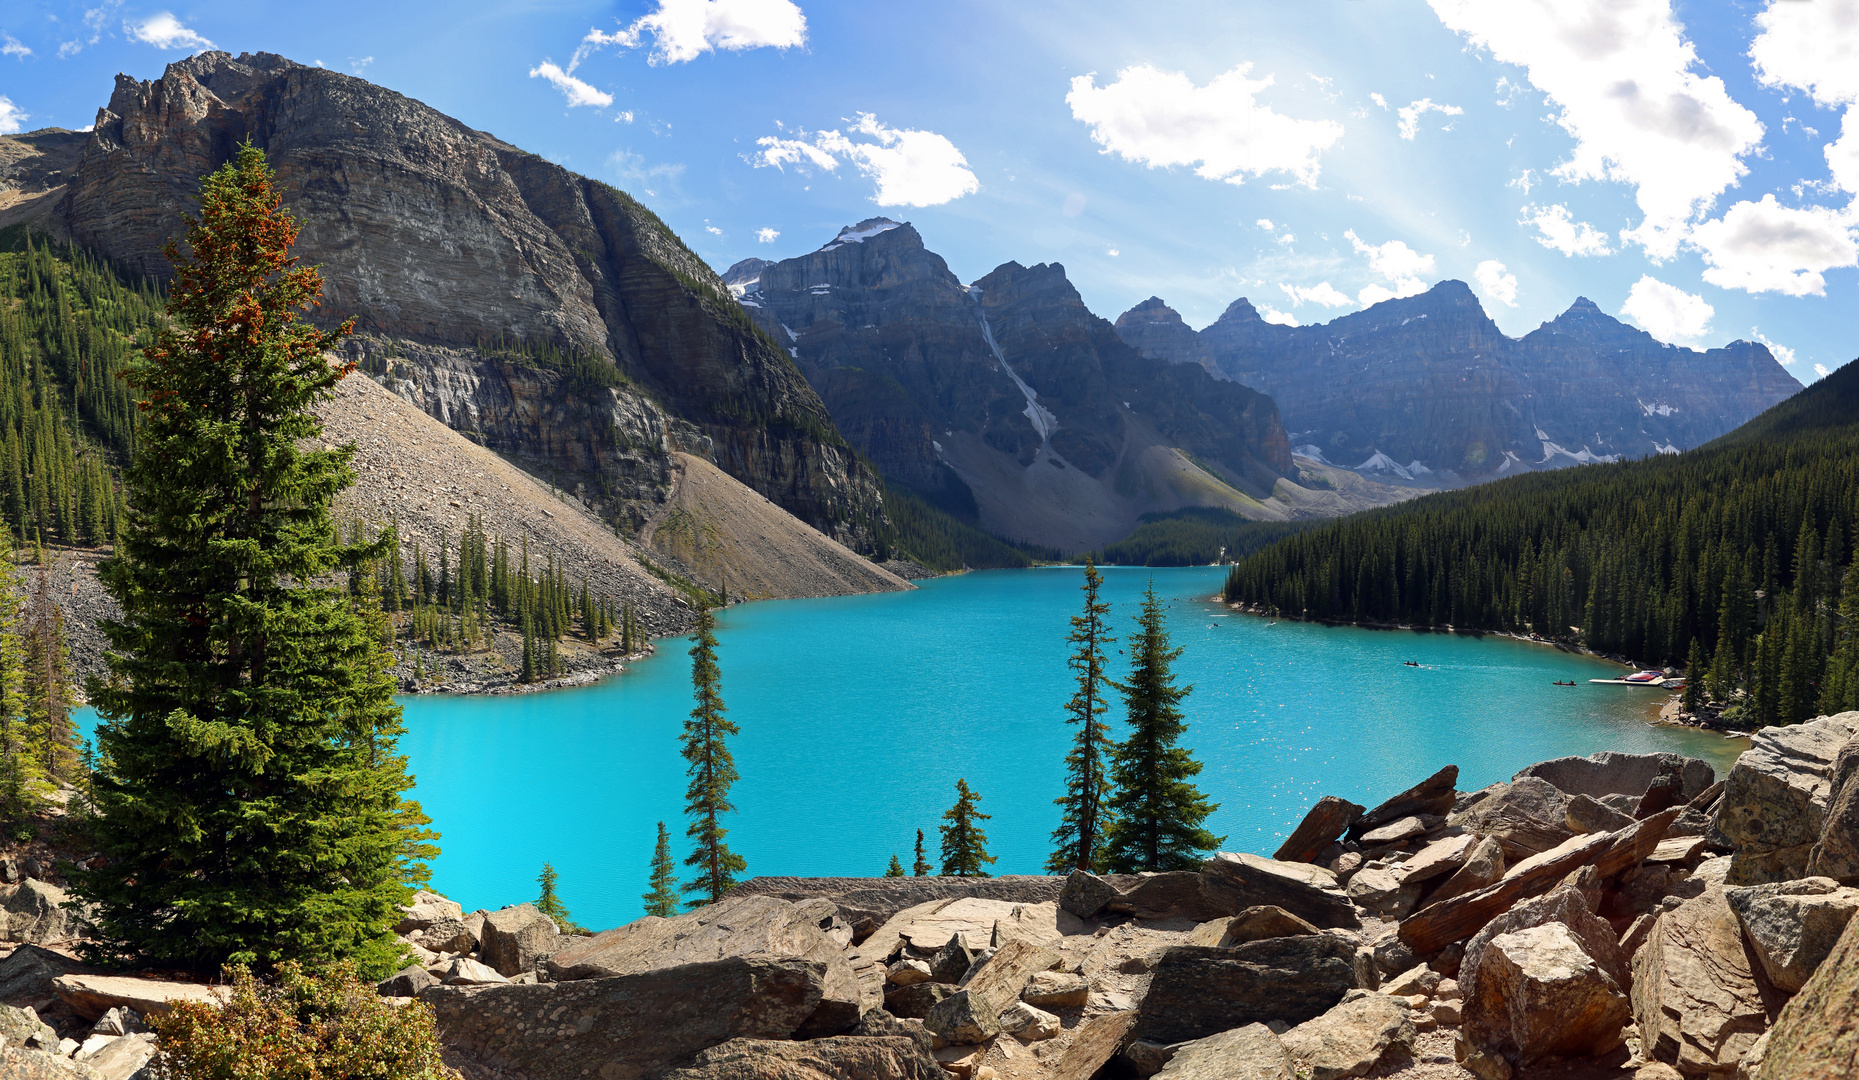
{"type": "Point", "coordinates": [1008, 399]}
{"type": "Point", "coordinates": [1431, 381]}
{"type": "Point", "coordinates": [538, 310]}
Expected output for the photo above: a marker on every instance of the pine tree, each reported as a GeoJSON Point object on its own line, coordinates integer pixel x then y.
{"type": "Point", "coordinates": [1156, 811]}
{"type": "Point", "coordinates": [663, 899]}
{"type": "Point", "coordinates": [21, 785]}
{"type": "Point", "coordinates": [964, 845]}
{"type": "Point", "coordinates": [1694, 678]}
{"type": "Point", "coordinates": [1077, 840]}
{"type": "Point", "coordinates": [49, 696]}
{"type": "Point", "coordinates": [528, 674]}
{"type": "Point", "coordinates": [921, 867]}
{"type": "Point", "coordinates": [251, 805]}
{"type": "Point", "coordinates": [712, 770]}
{"type": "Point", "coordinates": [896, 869]}
{"type": "Point", "coordinates": [550, 904]}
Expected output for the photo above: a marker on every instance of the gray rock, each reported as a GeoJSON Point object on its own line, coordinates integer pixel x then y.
{"type": "Point", "coordinates": [1564, 905]}
{"type": "Point", "coordinates": [1401, 830]}
{"type": "Point", "coordinates": [515, 939]}
{"type": "Point", "coordinates": [952, 961]}
{"type": "Point", "coordinates": [1793, 925]}
{"type": "Point", "coordinates": [1775, 800]}
{"type": "Point", "coordinates": [426, 909]}
{"type": "Point", "coordinates": [1539, 994]}
{"type": "Point", "coordinates": [908, 972]}
{"type": "Point", "coordinates": [625, 1025]}
{"type": "Point", "coordinates": [1326, 821]}
{"type": "Point", "coordinates": [1147, 1058]}
{"type": "Point", "coordinates": [739, 926]}
{"type": "Point", "coordinates": [1252, 924]}
{"type": "Point", "coordinates": [916, 1000]}
{"type": "Point", "coordinates": [22, 1027]}
{"type": "Point", "coordinates": [1626, 804]}
{"type": "Point", "coordinates": [843, 1057]}
{"type": "Point", "coordinates": [1613, 773]}
{"type": "Point", "coordinates": [1817, 1035]}
{"type": "Point", "coordinates": [1484, 864]}
{"type": "Point", "coordinates": [972, 1013]}
{"type": "Point", "coordinates": [1435, 795]}
{"type": "Point", "coordinates": [34, 913]}
{"type": "Point", "coordinates": [1196, 991]}
{"type": "Point", "coordinates": [448, 935]}
{"type": "Point", "coordinates": [407, 982]}
{"type": "Point", "coordinates": [1351, 1038]}
{"type": "Point", "coordinates": [22, 1063]}
{"type": "Point", "coordinates": [1836, 855]}
{"type": "Point", "coordinates": [1309, 892]}
{"type": "Point", "coordinates": [1028, 1023]}
{"type": "Point", "coordinates": [464, 971]}
{"type": "Point", "coordinates": [1586, 814]}
{"type": "Point", "coordinates": [1056, 990]}
{"type": "Point", "coordinates": [1383, 893]}
{"type": "Point", "coordinates": [1665, 791]}
{"type": "Point", "coordinates": [26, 975]}
{"type": "Point", "coordinates": [119, 1021]}
{"type": "Point", "coordinates": [122, 1058]}
{"type": "Point", "coordinates": [1086, 894]}
{"type": "Point", "coordinates": [1441, 858]}
{"type": "Point", "coordinates": [1251, 1052]}
{"type": "Point", "coordinates": [1693, 822]}
{"type": "Point", "coordinates": [1528, 818]}
{"type": "Point", "coordinates": [1174, 894]}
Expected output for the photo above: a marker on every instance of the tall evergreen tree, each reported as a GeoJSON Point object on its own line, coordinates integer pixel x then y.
{"type": "Point", "coordinates": [1156, 812]}
{"type": "Point", "coordinates": [712, 770]}
{"type": "Point", "coordinates": [663, 899]}
{"type": "Point", "coordinates": [921, 867]}
{"type": "Point", "coordinates": [1694, 678]}
{"type": "Point", "coordinates": [964, 845]}
{"type": "Point", "coordinates": [550, 901]}
{"type": "Point", "coordinates": [21, 784]}
{"type": "Point", "coordinates": [895, 869]}
{"type": "Point", "coordinates": [1079, 837]}
{"type": "Point", "coordinates": [251, 804]}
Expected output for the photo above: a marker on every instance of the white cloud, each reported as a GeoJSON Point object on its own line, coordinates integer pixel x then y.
{"type": "Point", "coordinates": [1321, 293]}
{"type": "Point", "coordinates": [1525, 180]}
{"type": "Point", "coordinates": [576, 91]}
{"type": "Point", "coordinates": [1266, 224]}
{"type": "Point", "coordinates": [1843, 156]}
{"type": "Point", "coordinates": [12, 120]}
{"type": "Point", "coordinates": [624, 116]}
{"type": "Point", "coordinates": [912, 168]}
{"type": "Point", "coordinates": [1272, 315]}
{"type": "Point", "coordinates": [164, 31]}
{"type": "Point", "coordinates": [94, 20]}
{"type": "Point", "coordinates": [1822, 370]}
{"type": "Point", "coordinates": [359, 64]}
{"type": "Point", "coordinates": [766, 236]}
{"type": "Point", "coordinates": [1810, 47]}
{"type": "Point", "coordinates": [1112, 252]}
{"type": "Point", "coordinates": [1495, 283]}
{"type": "Point", "coordinates": [1392, 260]}
{"type": "Point", "coordinates": [14, 47]}
{"type": "Point", "coordinates": [1287, 238]}
{"type": "Point", "coordinates": [1558, 230]}
{"type": "Point", "coordinates": [683, 30]}
{"type": "Point", "coordinates": [1370, 295]}
{"type": "Point", "coordinates": [1410, 115]}
{"type": "Point", "coordinates": [1766, 247]}
{"type": "Point", "coordinates": [1620, 73]}
{"type": "Point", "coordinates": [1782, 353]}
{"type": "Point", "coordinates": [1160, 118]}
{"type": "Point", "coordinates": [712, 229]}
{"type": "Point", "coordinates": [1379, 100]}
{"type": "Point", "coordinates": [1667, 312]}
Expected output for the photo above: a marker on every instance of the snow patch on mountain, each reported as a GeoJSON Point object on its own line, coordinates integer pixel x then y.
{"type": "Point", "coordinates": [1656, 408]}
{"type": "Point", "coordinates": [1382, 463]}
{"type": "Point", "coordinates": [863, 231]}
{"type": "Point", "coordinates": [1311, 451]}
{"type": "Point", "coordinates": [1043, 421]}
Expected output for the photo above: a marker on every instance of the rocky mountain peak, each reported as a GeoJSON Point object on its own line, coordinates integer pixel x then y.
{"type": "Point", "coordinates": [1152, 310]}
{"type": "Point", "coordinates": [745, 271]}
{"type": "Point", "coordinates": [1240, 311]}
{"type": "Point", "coordinates": [865, 230]}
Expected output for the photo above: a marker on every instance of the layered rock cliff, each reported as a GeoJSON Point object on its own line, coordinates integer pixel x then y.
{"type": "Point", "coordinates": [1429, 384]}
{"type": "Point", "coordinates": [1008, 400]}
{"type": "Point", "coordinates": [549, 316]}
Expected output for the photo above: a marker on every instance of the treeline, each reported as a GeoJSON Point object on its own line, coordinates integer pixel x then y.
{"type": "Point", "coordinates": [1735, 559]}
{"type": "Point", "coordinates": [457, 598]}
{"type": "Point", "coordinates": [1195, 536]}
{"type": "Point", "coordinates": [38, 741]}
{"type": "Point", "coordinates": [69, 325]}
{"type": "Point", "coordinates": [943, 542]}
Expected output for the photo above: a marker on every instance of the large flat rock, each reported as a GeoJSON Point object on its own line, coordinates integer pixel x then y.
{"type": "Point", "coordinates": [1613, 773]}
{"type": "Point", "coordinates": [90, 996]}
{"type": "Point", "coordinates": [1698, 999]}
{"type": "Point", "coordinates": [1310, 892]}
{"type": "Point", "coordinates": [1776, 797]}
{"type": "Point", "coordinates": [1198, 991]}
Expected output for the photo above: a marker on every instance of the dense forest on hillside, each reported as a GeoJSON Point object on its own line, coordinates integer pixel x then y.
{"type": "Point", "coordinates": [1196, 536]}
{"type": "Point", "coordinates": [68, 328]}
{"type": "Point", "coordinates": [1734, 559]}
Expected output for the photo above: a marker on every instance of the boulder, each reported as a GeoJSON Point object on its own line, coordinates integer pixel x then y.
{"type": "Point", "coordinates": [26, 975]}
{"type": "Point", "coordinates": [448, 935]}
{"type": "Point", "coordinates": [1613, 773]}
{"type": "Point", "coordinates": [1244, 1053]}
{"type": "Point", "coordinates": [1435, 795]}
{"type": "Point", "coordinates": [1538, 993]}
{"type": "Point", "coordinates": [980, 921]}
{"type": "Point", "coordinates": [625, 1025]}
{"type": "Point", "coordinates": [908, 972]}
{"type": "Point", "coordinates": [1401, 830]}
{"type": "Point", "coordinates": [1093, 1043]}
{"type": "Point", "coordinates": [1252, 924]}
{"type": "Point", "coordinates": [1438, 859]}
{"type": "Point", "coordinates": [1198, 991]}
{"type": "Point", "coordinates": [407, 982]}
{"type": "Point", "coordinates": [972, 1013]}
{"type": "Point", "coordinates": [22, 1027]}
{"type": "Point", "coordinates": [119, 1021]}
{"type": "Point", "coordinates": [1028, 1023]}
{"type": "Point", "coordinates": [1666, 790]}
{"type": "Point", "coordinates": [1309, 892]}
{"type": "Point", "coordinates": [1816, 1037]}
{"type": "Point", "coordinates": [1351, 1038]}
{"type": "Point", "coordinates": [1418, 980]}
{"type": "Point", "coordinates": [19, 1063]}
{"type": "Point", "coordinates": [90, 996]}
{"type": "Point", "coordinates": [33, 912]}
{"type": "Point", "coordinates": [952, 961]}
{"type": "Point", "coordinates": [1056, 990]}
{"type": "Point", "coordinates": [1529, 817]}
{"type": "Point", "coordinates": [464, 971]}
{"type": "Point", "coordinates": [515, 939]}
{"type": "Point", "coordinates": [1699, 1002]}
{"type": "Point", "coordinates": [1086, 894]}
{"type": "Point", "coordinates": [426, 909]}
{"type": "Point", "coordinates": [1382, 892]}
{"type": "Point", "coordinates": [1776, 797]}
{"type": "Point", "coordinates": [916, 1000]}
{"type": "Point", "coordinates": [843, 1057]}
{"type": "Point", "coordinates": [1586, 814]}
{"type": "Point", "coordinates": [1173, 894]}
{"type": "Point", "coordinates": [1326, 821]}
{"type": "Point", "coordinates": [760, 926]}
{"type": "Point", "coordinates": [1484, 864]}
{"type": "Point", "coordinates": [1836, 855]}
{"type": "Point", "coordinates": [1564, 905]}
{"type": "Point", "coordinates": [121, 1058]}
{"type": "Point", "coordinates": [1793, 925]}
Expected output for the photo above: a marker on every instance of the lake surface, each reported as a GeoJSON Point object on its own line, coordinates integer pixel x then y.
{"type": "Point", "coordinates": [858, 714]}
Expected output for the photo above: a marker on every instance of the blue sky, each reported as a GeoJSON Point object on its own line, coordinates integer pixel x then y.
{"type": "Point", "coordinates": [1680, 164]}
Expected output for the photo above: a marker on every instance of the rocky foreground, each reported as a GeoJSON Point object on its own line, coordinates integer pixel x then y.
{"type": "Point", "coordinates": [1604, 917]}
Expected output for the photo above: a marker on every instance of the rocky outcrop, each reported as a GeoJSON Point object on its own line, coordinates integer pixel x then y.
{"type": "Point", "coordinates": [1792, 926]}
{"type": "Point", "coordinates": [90, 996]}
{"type": "Point", "coordinates": [1326, 821]}
{"type": "Point", "coordinates": [1816, 1037]}
{"type": "Point", "coordinates": [1776, 797]}
{"type": "Point", "coordinates": [33, 911]}
{"type": "Point", "coordinates": [1433, 797]}
{"type": "Point", "coordinates": [515, 939]}
{"type": "Point", "coordinates": [1528, 817]}
{"type": "Point", "coordinates": [1007, 401]}
{"type": "Point", "coordinates": [973, 1013]}
{"type": "Point", "coordinates": [890, 1057]}
{"type": "Point", "coordinates": [1197, 992]}
{"type": "Point", "coordinates": [1244, 1053]}
{"type": "Point", "coordinates": [1311, 893]}
{"type": "Point", "coordinates": [1613, 773]}
{"type": "Point", "coordinates": [1837, 854]}
{"type": "Point", "coordinates": [1351, 1038]}
{"type": "Point", "coordinates": [545, 313]}
{"type": "Point", "coordinates": [1430, 380]}
{"type": "Point", "coordinates": [1540, 994]}
{"type": "Point", "coordinates": [1699, 1001]}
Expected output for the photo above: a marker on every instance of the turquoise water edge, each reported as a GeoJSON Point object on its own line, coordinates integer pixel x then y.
{"type": "Point", "coordinates": [859, 713]}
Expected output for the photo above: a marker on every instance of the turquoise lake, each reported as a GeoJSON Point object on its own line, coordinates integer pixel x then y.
{"type": "Point", "coordinates": [858, 714]}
